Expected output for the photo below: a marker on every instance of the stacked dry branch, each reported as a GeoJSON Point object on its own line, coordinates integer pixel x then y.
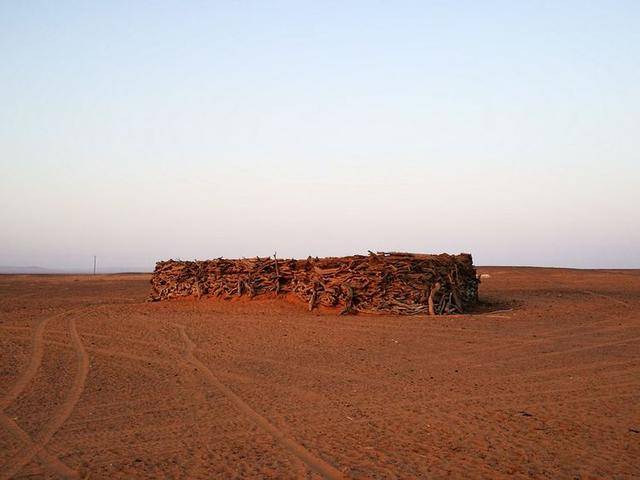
{"type": "Point", "coordinates": [399, 283]}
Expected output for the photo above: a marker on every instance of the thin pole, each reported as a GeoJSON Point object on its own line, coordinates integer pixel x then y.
{"type": "Point", "coordinates": [94, 264]}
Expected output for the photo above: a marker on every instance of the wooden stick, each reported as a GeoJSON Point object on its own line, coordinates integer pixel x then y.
{"type": "Point", "coordinates": [432, 294]}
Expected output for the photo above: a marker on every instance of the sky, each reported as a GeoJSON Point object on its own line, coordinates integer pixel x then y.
{"type": "Point", "coordinates": [141, 131]}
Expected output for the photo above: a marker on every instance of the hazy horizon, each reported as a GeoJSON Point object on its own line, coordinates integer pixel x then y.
{"type": "Point", "coordinates": [110, 269]}
{"type": "Point", "coordinates": [141, 132]}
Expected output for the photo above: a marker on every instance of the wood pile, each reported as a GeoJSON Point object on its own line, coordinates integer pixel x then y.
{"type": "Point", "coordinates": [397, 283]}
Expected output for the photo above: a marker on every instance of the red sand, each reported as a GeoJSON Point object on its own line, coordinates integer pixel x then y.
{"type": "Point", "coordinates": [96, 383]}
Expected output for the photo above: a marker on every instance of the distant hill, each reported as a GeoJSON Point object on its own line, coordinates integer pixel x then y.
{"type": "Point", "coordinates": [22, 270]}
{"type": "Point", "coordinates": [18, 269]}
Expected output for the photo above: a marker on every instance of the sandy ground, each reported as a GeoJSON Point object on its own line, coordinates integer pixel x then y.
{"type": "Point", "coordinates": [95, 383]}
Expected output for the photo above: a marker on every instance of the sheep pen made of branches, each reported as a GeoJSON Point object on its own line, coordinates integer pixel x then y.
{"type": "Point", "coordinates": [396, 283]}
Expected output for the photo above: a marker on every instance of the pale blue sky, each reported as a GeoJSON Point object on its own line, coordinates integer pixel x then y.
{"type": "Point", "coordinates": [142, 131]}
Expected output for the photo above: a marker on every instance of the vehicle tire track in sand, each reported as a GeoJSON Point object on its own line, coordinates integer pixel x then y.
{"type": "Point", "coordinates": [52, 461]}
{"type": "Point", "coordinates": [314, 463]}
{"type": "Point", "coordinates": [301, 467]}
{"type": "Point", "coordinates": [608, 297]}
{"type": "Point", "coordinates": [58, 419]}
{"type": "Point", "coordinates": [37, 350]}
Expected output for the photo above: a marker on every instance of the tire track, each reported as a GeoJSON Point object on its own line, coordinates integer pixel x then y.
{"type": "Point", "coordinates": [37, 350]}
{"type": "Point", "coordinates": [116, 354]}
{"type": "Point", "coordinates": [58, 419]}
{"type": "Point", "coordinates": [608, 297]}
{"type": "Point", "coordinates": [314, 463]}
{"type": "Point", "coordinates": [52, 461]}
{"type": "Point", "coordinates": [550, 354]}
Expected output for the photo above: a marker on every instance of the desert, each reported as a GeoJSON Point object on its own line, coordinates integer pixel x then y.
{"type": "Point", "coordinates": [319, 240]}
{"type": "Point", "coordinates": [541, 380]}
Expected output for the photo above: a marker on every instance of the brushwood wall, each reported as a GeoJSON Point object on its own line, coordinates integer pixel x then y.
{"type": "Point", "coordinates": [398, 283]}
